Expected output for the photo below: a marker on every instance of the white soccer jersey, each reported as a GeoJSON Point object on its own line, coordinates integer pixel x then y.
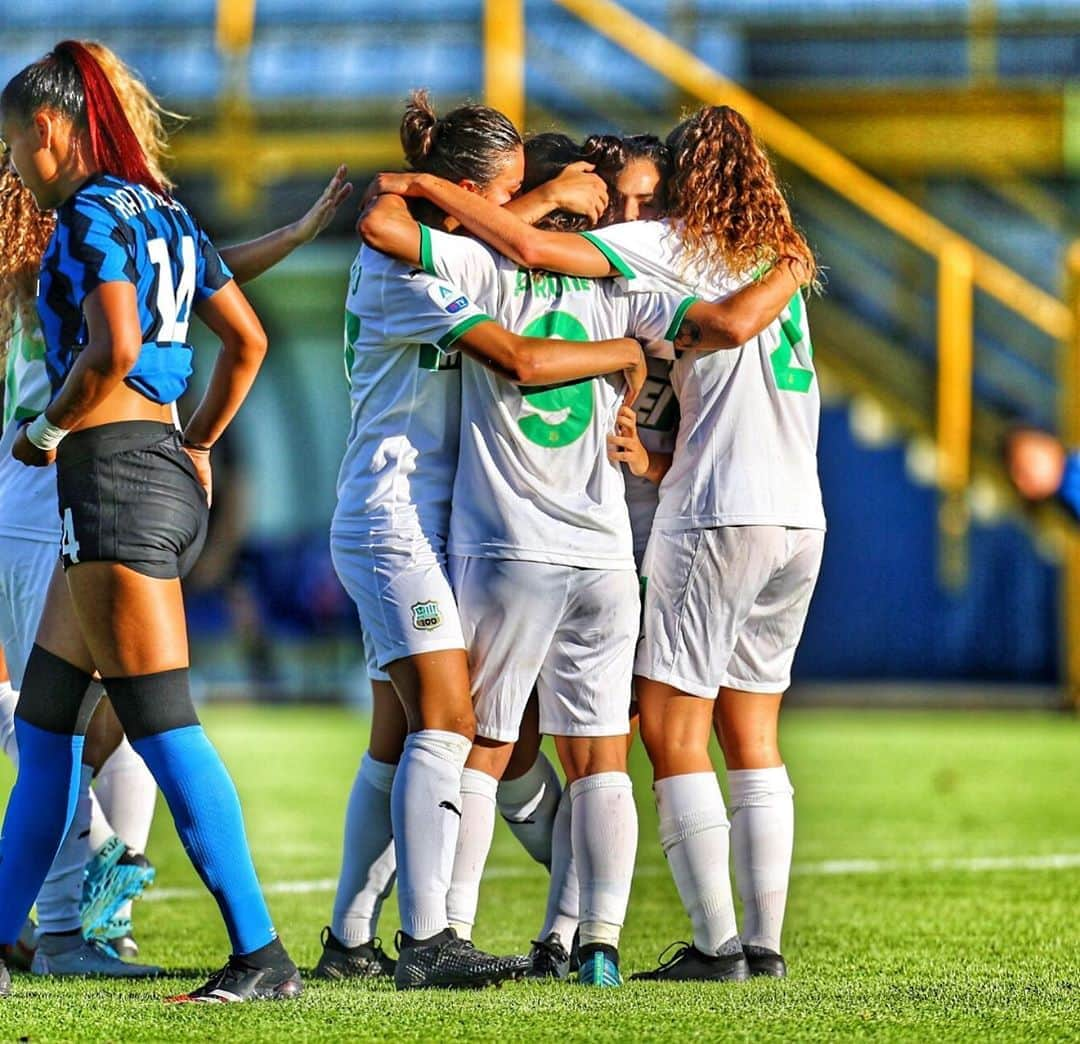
{"type": "Point", "coordinates": [28, 504]}
{"type": "Point", "coordinates": [534, 481]}
{"type": "Point", "coordinates": [746, 452]}
{"type": "Point", "coordinates": [398, 472]}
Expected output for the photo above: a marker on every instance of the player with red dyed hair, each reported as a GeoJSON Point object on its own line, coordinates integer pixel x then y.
{"type": "Point", "coordinates": [122, 274]}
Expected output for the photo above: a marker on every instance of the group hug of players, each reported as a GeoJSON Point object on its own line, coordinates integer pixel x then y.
{"type": "Point", "coordinates": [546, 529]}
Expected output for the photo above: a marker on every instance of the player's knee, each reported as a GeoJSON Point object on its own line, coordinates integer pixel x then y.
{"type": "Point", "coordinates": [461, 720]}
{"type": "Point", "coordinates": [753, 751]}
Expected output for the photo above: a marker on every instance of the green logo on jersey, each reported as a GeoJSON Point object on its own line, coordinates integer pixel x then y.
{"type": "Point", "coordinates": [559, 415]}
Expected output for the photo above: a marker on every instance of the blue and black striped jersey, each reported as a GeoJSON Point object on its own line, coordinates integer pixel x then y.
{"type": "Point", "coordinates": [114, 231]}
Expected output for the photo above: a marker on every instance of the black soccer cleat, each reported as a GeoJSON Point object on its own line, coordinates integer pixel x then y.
{"type": "Point", "coordinates": [446, 962]}
{"type": "Point", "coordinates": [548, 959]}
{"type": "Point", "coordinates": [5, 980]}
{"type": "Point", "coordinates": [366, 961]}
{"type": "Point", "coordinates": [238, 982]}
{"type": "Point", "coordinates": [766, 964]}
{"type": "Point", "coordinates": [689, 964]}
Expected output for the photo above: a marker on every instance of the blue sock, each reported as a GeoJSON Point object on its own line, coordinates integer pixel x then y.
{"type": "Point", "coordinates": [40, 810]}
{"type": "Point", "coordinates": [206, 810]}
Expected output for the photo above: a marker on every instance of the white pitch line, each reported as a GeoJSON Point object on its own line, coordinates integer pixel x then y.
{"type": "Point", "coordinates": [827, 868]}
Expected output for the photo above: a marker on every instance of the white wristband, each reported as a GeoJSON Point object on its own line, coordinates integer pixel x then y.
{"type": "Point", "coordinates": [43, 434]}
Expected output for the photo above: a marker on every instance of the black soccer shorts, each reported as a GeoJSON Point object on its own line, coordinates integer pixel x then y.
{"type": "Point", "coordinates": [129, 493]}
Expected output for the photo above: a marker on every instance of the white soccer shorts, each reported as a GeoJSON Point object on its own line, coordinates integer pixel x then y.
{"type": "Point", "coordinates": [726, 606]}
{"type": "Point", "coordinates": [570, 632]}
{"type": "Point", "coordinates": [26, 567]}
{"type": "Point", "coordinates": [404, 599]}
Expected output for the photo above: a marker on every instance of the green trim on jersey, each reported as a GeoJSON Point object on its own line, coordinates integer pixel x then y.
{"type": "Point", "coordinates": [447, 340]}
{"type": "Point", "coordinates": [427, 255]}
{"type": "Point", "coordinates": [617, 262]}
{"type": "Point", "coordinates": [677, 318]}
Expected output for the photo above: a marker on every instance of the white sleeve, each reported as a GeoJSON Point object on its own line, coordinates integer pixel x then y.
{"type": "Point", "coordinates": [656, 318]}
{"type": "Point", "coordinates": [644, 253]}
{"type": "Point", "coordinates": [418, 307]}
{"type": "Point", "coordinates": [463, 261]}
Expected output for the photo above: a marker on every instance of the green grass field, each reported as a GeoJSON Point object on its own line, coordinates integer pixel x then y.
{"type": "Point", "coordinates": [936, 894]}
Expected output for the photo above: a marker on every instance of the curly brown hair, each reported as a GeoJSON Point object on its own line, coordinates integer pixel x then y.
{"type": "Point", "coordinates": [25, 231]}
{"type": "Point", "coordinates": [724, 194]}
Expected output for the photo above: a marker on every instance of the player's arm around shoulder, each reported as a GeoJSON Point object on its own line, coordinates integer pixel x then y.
{"type": "Point", "coordinates": [542, 360]}
{"type": "Point", "coordinates": [731, 322]}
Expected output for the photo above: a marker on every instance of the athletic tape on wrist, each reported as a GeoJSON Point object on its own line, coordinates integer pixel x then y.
{"type": "Point", "coordinates": [43, 434]}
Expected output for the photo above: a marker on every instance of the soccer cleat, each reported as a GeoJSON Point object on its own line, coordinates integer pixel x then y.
{"type": "Point", "coordinates": [766, 964]}
{"type": "Point", "coordinates": [5, 981]}
{"type": "Point", "coordinates": [113, 876]}
{"type": "Point", "coordinates": [689, 963]}
{"type": "Point", "coordinates": [447, 962]}
{"type": "Point", "coordinates": [599, 966]}
{"type": "Point", "coordinates": [89, 958]}
{"type": "Point", "coordinates": [548, 959]}
{"type": "Point", "coordinates": [20, 954]}
{"type": "Point", "coordinates": [237, 982]}
{"type": "Point", "coordinates": [366, 961]}
{"type": "Point", "coordinates": [116, 937]}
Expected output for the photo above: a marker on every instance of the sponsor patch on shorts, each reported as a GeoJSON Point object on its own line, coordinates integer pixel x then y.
{"type": "Point", "coordinates": [426, 616]}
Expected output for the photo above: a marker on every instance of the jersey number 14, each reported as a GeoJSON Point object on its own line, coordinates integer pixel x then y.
{"type": "Point", "coordinates": [173, 300]}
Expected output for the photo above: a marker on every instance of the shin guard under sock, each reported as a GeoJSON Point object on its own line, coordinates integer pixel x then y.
{"type": "Point", "coordinates": [160, 721]}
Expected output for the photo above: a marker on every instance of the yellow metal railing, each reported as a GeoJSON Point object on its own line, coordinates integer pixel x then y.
{"type": "Point", "coordinates": [1069, 423]}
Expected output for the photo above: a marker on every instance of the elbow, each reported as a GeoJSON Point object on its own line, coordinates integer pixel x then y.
{"type": "Point", "coordinates": [731, 332]}
{"type": "Point", "coordinates": [256, 347]}
{"type": "Point", "coordinates": [120, 359]}
{"type": "Point", "coordinates": [529, 254]}
{"type": "Point", "coordinates": [374, 228]}
{"type": "Point", "coordinates": [368, 228]}
{"type": "Point", "coordinates": [250, 348]}
{"type": "Point", "coordinates": [741, 330]}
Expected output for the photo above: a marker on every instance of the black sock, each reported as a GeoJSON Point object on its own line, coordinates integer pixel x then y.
{"type": "Point", "coordinates": [272, 955]}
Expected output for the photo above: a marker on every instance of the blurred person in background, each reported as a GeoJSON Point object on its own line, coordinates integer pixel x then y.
{"type": "Point", "coordinates": [1041, 468]}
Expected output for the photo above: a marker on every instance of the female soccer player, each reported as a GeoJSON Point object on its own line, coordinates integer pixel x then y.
{"type": "Point", "coordinates": [404, 330]}
{"type": "Point", "coordinates": [742, 489]}
{"type": "Point", "coordinates": [28, 534]}
{"type": "Point", "coordinates": [539, 508]}
{"type": "Point", "coordinates": [119, 279]}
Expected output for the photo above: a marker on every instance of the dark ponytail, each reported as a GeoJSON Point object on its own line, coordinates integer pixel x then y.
{"type": "Point", "coordinates": [70, 81]}
{"type": "Point", "coordinates": [468, 144]}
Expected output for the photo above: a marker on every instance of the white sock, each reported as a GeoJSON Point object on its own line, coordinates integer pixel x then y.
{"type": "Point", "coordinates": [127, 793]}
{"type": "Point", "coordinates": [8, 698]}
{"type": "Point", "coordinates": [367, 862]}
{"type": "Point", "coordinates": [100, 828]}
{"type": "Point", "coordinates": [58, 900]}
{"type": "Point", "coordinates": [563, 897]}
{"type": "Point", "coordinates": [762, 836]}
{"type": "Point", "coordinates": [605, 830]}
{"type": "Point", "coordinates": [694, 835]}
{"type": "Point", "coordinates": [425, 806]}
{"type": "Point", "coordinates": [528, 804]}
{"type": "Point", "coordinates": [473, 845]}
